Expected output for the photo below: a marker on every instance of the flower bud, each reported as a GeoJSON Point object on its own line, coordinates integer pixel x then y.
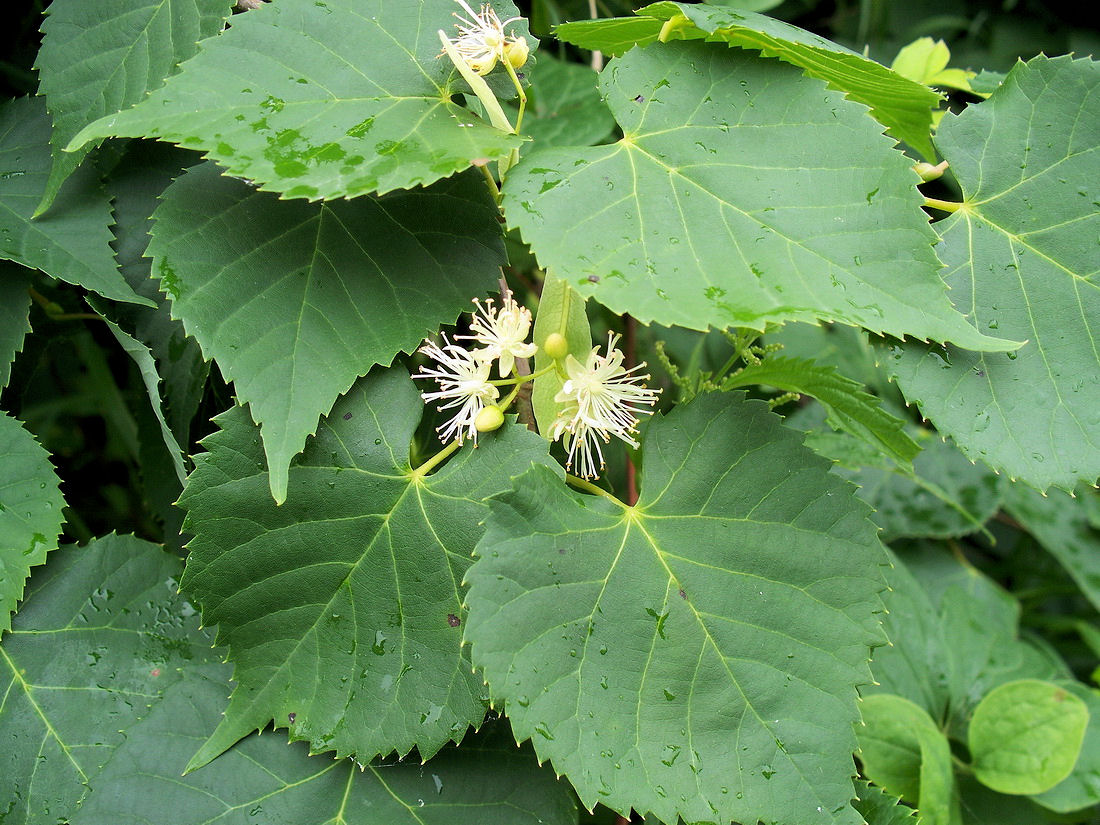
{"type": "Point", "coordinates": [483, 66]}
{"type": "Point", "coordinates": [489, 419]}
{"type": "Point", "coordinates": [516, 51]}
{"type": "Point", "coordinates": [555, 346]}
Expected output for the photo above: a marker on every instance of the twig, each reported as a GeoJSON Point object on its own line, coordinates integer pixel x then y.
{"type": "Point", "coordinates": [597, 56]}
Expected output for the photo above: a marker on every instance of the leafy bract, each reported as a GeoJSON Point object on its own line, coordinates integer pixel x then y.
{"type": "Point", "coordinates": [717, 209]}
{"type": "Point", "coordinates": [15, 305]}
{"type": "Point", "coordinates": [101, 56]}
{"type": "Point", "coordinates": [101, 635]}
{"type": "Point", "coordinates": [849, 407]}
{"type": "Point", "coordinates": [1021, 257]}
{"type": "Point", "coordinates": [30, 511]}
{"type": "Point", "coordinates": [902, 750]}
{"type": "Point", "coordinates": [1061, 525]}
{"type": "Point", "coordinates": [895, 101]}
{"type": "Point", "coordinates": [1025, 736]}
{"type": "Point", "coordinates": [72, 242]}
{"type": "Point", "coordinates": [695, 655]}
{"type": "Point", "coordinates": [296, 300]}
{"type": "Point", "coordinates": [340, 98]}
{"type": "Point", "coordinates": [561, 310]}
{"type": "Point", "coordinates": [342, 608]}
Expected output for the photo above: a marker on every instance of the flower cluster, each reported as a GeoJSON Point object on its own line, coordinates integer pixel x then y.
{"type": "Point", "coordinates": [482, 42]}
{"type": "Point", "coordinates": [463, 374]}
{"type": "Point", "coordinates": [599, 399]}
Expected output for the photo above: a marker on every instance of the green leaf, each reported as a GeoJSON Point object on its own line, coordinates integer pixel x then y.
{"type": "Point", "coordinates": [561, 311]}
{"type": "Point", "coordinates": [944, 495]}
{"type": "Point", "coordinates": [1025, 736]}
{"type": "Point", "coordinates": [101, 635]}
{"type": "Point", "coordinates": [677, 657]}
{"type": "Point", "coordinates": [101, 56]}
{"type": "Point", "coordinates": [125, 677]}
{"type": "Point", "coordinates": [915, 665]}
{"type": "Point", "coordinates": [342, 607]}
{"type": "Point", "coordinates": [1061, 524]}
{"type": "Point", "coordinates": [564, 106]}
{"type": "Point", "coordinates": [903, 751]}
{"type": "Point", "coordinates": [72, 243]}
{"type": "Point", "coordinates": [849, 407]}
{"type": "Point", "coordinates": [895, 101]}
{"type": "Point", "coordinates": [925, 61]}
{"type": "Point", "coordinates": [983, 647]}
{"type": "Point", "coordinates": [612, 36]}
{"type": "Point", "coordinates": [30, 512]}
{"type": "Point", "coordinates": [332, 289]}
{"type": "Point", "coordinates": [981, 806]}
{"type": "Point", "coordinates": [955, 637]}
{"type": "Point", "coordinates": [338, 99]}
{"type": "Point", "coordinates": [1021, 255]}
{"type": "Point", "coordinates": [845, 348]}
{"type": "Point", "coordinates": [879, 808]}
{"type": "Point", "coordinates": [987, 82]}
{"type": "Point", "coordinates": [746, 5]}
{"type": "Point", "coordinates": [15, 320]}
{"type": "Point", "coordinates": [143, 359]}
{"type": "Point", "coordinates": [262, 779]}
{"type": "Point", "coordinates": [712, 215]}
{"type": "Point", "coordinates": [1081, 788]}
{"type": "Point", "coordinates": [136, 185]}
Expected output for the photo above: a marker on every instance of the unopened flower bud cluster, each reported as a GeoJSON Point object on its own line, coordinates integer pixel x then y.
{"type": "Point", "coordinates": [598, 399]}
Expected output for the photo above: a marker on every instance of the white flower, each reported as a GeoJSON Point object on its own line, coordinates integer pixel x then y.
{"type": "Point", "coordinates": [464, 381]}
{"type": "Point", "coordinates": [502, 334]}
{"type": "Point", "coordinates": [481, 40]}
{"type": "Point", "coordinates": [601, 400]}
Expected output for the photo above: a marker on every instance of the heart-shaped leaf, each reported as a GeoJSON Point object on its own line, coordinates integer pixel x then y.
{"type": "Point", "coordinates": [342, 608]}
{"type": "Point", "coordinates": [296, 300]}
{"type": "Point", "coordinates": [323, 99]}
{"type": "Point", "coordinates": [1021, 257]}
{"type": "Point", "coordinates": [695, 655]}
{"type": "Point", "coordinates": [719, 207]}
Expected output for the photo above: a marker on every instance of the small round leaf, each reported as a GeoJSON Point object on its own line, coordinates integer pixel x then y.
{"type": "Point", "coordinates": [1025, 736]}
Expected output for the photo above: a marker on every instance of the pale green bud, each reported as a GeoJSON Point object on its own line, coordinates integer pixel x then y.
{"type": "Point", "coordinates": [555, 346]}
{"type": "Point", "coordinates": [489, 419]}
